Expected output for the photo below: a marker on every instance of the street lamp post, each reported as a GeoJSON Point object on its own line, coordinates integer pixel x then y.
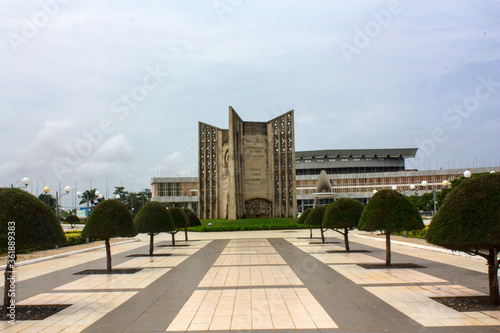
{"type": "Point", "coordinates": [424, 183]}
{"type": "Point", "coordinates": [25, 181]}
{"type": "Point", "coordinates": [46, 189]}
{"type": "Point", "coordinates": [67, 189]}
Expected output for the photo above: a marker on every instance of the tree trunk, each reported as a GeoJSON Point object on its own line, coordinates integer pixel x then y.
{"type": "Point", "coordinates": [186, 234]}
{"type": "Point", "coordinates": [310, 232]}
{"type": "Point", "coordinates": [151, 243]}
{"type": "Point", "coordinates": [173, 239]}
{"type": "Point", "coordinates": [108, 255]}
{"type": "Point", "coordinates": [9, 276]}
{"type": "Point", "coordinates": [388, 248]}
{"type": "Point", "coordinates": [346, 239]}
{"type": "Point", "coordinates": [322, 235]}
{"type": "Point", "coordinates": [493, 277]}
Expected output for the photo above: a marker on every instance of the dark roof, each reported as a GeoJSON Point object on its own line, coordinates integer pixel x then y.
{"type": "Point", "coordinates": [356, 153]}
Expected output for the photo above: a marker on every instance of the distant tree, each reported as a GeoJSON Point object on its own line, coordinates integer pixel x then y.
{"type": "Point", "coordinates": [49, 200]}
{"type": "Point", "coordinates": [390, 211]}
{"type": "Point", "coordinates": [26, 223]}
{"type": "Point", "coordinates": [111, 218]}
{"type": "Point", "coordinates": [343, 214]}
{"type": "Point", "coordinates": [469, 221]}
{"type": "Point", "coordinates": [416, 201]}
{"type": "Point", "coordinates": [180, 219]}
{"type": "Point", "coordinates": [194, 220]}
{"type": "Point", "coordinates": [152, 219]}
{"type": "Point", "coordinates": [315, 218]}
{"type": "Point", "coordinates": [72, 219]}
{"type": "Point", "coordinates": [134, 201]}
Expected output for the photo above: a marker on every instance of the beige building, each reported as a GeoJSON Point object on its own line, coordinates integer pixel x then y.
{"type": "Point", "coordinates": [352, 173]}
{"type": "Point", "coordinates": [247, 169]}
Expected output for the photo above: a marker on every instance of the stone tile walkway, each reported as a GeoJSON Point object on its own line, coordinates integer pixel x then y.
{"type": "Point", "coordinates": [261, 281]}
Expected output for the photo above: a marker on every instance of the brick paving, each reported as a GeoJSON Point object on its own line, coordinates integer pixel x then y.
{"type": "Point", "coordinates": [260, 281]}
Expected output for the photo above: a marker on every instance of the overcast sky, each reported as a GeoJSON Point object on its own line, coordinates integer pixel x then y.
{"type": "Point", "coordinates": [113, 90]}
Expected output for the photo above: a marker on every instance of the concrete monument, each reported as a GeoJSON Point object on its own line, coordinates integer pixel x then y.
{"type": "Point", "coordinates": [248, 169]}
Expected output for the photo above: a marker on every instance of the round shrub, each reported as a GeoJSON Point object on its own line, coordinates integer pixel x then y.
{"type": "Point", "coordinates": [179, 217]}
{"type": "Point", "coordinates": [390, 211]}
{"type": "Point", "coordinates": [343, 213]}
{"type": "Point", "coordinates": [109, 219]}
{"type": "Point", "coordinates": [469, 218]}
{"type": "Point", "coordinates": [194, 221]}
{"type": "Point", "coordinates": [304, 215]}
{"type": "Point", "coordinates": [36, 225]}
{"type": "Point", "coordinates": [315, 217]}
{"type": "Point", "coordinates": [72, 219]}
{"type": "Point", "coordinates": [153, 218]}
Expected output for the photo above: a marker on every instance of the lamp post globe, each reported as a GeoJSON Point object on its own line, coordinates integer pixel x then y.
{"type": "Point", "coordinates": [467, 174]}
{"type": "Point", "coordinates": [446, 183]}
{"type": "Point", "coordinates": [97, 193]}
{"type": "Point", "coordinates": [67, 189]}
{"type": "Point", "coordinates": [394, 188]}
{"type": "Point", "coordinates": [492, 171]}
{"type": "Point", "coordinates": [117, 196]}
{"type": "Point", "coordinates": [46, 189]}
{"type": "Point", "coordinates": [374, 191]}
{"type": "Point", "coordinates": [412, 187]}
{"type": "Point", "coordinates": [79, 194]}
{"type": "Point", "coordinates": [424, 183]}
{"type": "Point", "coordinates": [26, 181]}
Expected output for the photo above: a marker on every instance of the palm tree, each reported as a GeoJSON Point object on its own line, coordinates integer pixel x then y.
{"type": "Point", "coordinates": [90, 198]}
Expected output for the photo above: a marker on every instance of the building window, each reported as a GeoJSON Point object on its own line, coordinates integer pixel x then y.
{"type": "Point", "coordinates": [320, 160]}
{"type": "Point", "coordinates": [356, 160]}
{"type": "Point", "coordinates": [308, 161]}
{"type": "Point", "coordinates": [345, 160]}
{"type": "Point", "coordinates": [169, 189]}
{"type": "Point", "coordinates": [331, 160]}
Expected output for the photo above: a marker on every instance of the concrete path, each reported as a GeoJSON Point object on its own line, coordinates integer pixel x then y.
{"type": "Point", "coordinates": [261, 281]}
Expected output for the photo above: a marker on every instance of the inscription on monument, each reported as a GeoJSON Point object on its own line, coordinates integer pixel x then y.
{"type": "Point", "coordinates": [255, 172]}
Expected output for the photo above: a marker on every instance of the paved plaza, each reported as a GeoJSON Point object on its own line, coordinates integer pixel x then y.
{"type": "Point", "coordinates": [260, 281]}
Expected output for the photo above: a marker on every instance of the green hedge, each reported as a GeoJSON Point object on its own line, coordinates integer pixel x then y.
{"type": "Point", "coordinates": [249, 224]}
{"type": "Point", "coordinates": [74, 237]}
{"type": "Point", "coordinates": [414, 233]}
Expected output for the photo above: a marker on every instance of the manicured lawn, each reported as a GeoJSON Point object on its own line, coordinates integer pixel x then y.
{"type": "Point", "coordinates": [249, 224]}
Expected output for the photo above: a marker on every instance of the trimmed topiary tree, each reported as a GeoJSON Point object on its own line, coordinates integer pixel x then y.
{"type": "Point", "coordinates": [469, 221]}
{"type": "Point", "coordinates": [315, 217]}
{"type": "Point", "coordinates": [390, 211]}
{"type": "Point", "coordinates": [180, 221]}
{"type": "Point", "coordinates": [343, 214]}
{"type": "Point", "coordinates": [152, 219]}
{"type": "Point", "coordinates": [304, 215]}
{"type": "Point", "coordinates": [26, 223]}
{"type": "Point", "coordinates": [194, 220]}
{"type": "Point", "coordinates": [72, 219]}
{"type": "Point", "coordinates": [109, 219]}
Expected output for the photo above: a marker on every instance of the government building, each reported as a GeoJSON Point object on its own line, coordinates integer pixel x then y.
{"type": "Point", "coordinates": [353, 173]}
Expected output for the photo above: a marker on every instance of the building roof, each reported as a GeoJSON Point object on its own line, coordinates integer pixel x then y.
{"type": "Point", "coordinates": [356, 153]}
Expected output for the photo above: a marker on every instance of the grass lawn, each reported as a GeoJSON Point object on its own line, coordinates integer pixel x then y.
{"type": "Point", "coordinates": [249, 224]}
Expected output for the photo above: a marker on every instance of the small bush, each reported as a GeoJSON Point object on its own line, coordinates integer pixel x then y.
{"type": "Point", "coordinates": [179, 217]}
{"type": "Point", "coordinates": [72, 219]}
{"type": "Point", "coordinates": [315, 217]}
{"type": "Point", "coordinates": [194, 221]}
{"type": "Point", "coordinates": [304, 215]}
{"type": "Point", "coordinates": [74, 237]}
{"type": "Point", "coordinates": [414, 233]}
